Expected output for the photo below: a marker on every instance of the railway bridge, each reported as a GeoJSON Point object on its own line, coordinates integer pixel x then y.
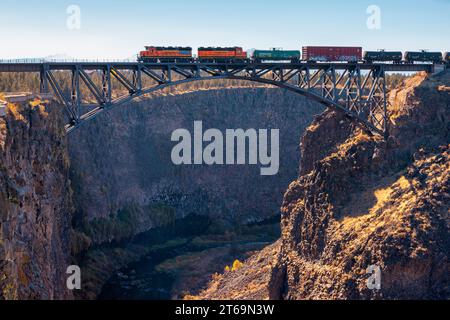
{"type": "Point", "coordinates": [357, 89]}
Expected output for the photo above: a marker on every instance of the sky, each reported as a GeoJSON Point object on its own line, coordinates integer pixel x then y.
{"type": "Point", "coordinates": [118, 29]}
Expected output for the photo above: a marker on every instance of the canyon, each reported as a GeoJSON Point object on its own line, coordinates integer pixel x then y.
{"type": "Point", "coordinates": [119, 183]}
{"type": "Point", "coordinates": [108, 198]}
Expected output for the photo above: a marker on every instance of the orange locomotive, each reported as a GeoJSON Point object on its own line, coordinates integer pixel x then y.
{"type": "Point", "coordinates": [225, 55]}
{"type": "Point", "coordinates": [166, 54]}
{"type": "Point", "coordinates": [184, 54]}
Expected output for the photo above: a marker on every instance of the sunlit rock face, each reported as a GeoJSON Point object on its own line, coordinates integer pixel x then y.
{"type": "Point", "coordinates": [367, 218]}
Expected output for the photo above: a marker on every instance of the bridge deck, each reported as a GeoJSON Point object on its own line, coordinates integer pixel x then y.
{"type": "Point", "coordinates": [37, 67]}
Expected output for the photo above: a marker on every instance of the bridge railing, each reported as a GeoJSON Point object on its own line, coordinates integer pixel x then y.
{"type": "Point", "coordinates": [41, 61]}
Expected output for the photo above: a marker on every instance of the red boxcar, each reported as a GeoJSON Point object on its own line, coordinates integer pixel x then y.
{"type": "Point", "coordinates": [221, 54]}
{"type": "Point", "coordinates": [327, 54]}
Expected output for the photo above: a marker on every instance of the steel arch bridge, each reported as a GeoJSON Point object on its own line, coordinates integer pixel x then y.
{"type": "Point", "coordinates": [358, 90]}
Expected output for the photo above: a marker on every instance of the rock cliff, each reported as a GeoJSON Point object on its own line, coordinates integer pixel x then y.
{"type": "Point", "coordinates": [362, 204]}
{"type": "Point", "coordinates": [35, 205]}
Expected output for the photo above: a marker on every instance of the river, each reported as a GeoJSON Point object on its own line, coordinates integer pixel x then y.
{"type": "Point", "coordinates": [185, 261]}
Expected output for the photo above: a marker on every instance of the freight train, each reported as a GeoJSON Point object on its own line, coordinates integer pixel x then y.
{"type": "Point", "coordinates": [312, 54]}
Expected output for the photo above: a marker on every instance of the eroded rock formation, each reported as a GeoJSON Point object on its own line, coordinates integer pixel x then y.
{"type": "Point", "coordinates": [362, 202]}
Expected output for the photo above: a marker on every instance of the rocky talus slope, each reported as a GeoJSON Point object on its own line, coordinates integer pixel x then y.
{"type": "Point", "coordinates": [35, 206]}
{"type": "Point", "coordinates": [362, 202]}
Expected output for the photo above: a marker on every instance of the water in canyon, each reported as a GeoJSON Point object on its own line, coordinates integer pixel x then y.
{"type": "Point", "coordinates": [183, 260]}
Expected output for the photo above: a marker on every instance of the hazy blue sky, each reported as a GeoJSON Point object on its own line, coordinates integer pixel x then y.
{"type": "Point", "coordinates": [119, 28]}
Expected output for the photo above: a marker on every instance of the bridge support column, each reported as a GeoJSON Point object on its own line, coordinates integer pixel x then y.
{"type": "Point", "coordinates": [43, 86]}
{"type": "Point", "coordinates": [137, 78]}
{"type": "Point", "coordinates": [304, 78]}
{"type": "Point", "coordinates": [329, 84]}
{"type": "Point", "coordinates": [75, 95]}
{"type": "Point", "coordinates": [168, 74]}
{"type": "Point", "coordinates": [354, 90]}
{"type": "Point", "coordinates": [106, 84]}
{"type": "Point", "coordinates": [377, 101]}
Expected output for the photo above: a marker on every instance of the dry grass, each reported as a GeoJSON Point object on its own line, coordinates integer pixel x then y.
{"type": "Point", "coordinates": [250, 281]}
{"type": "Point", "coordinates": [398, 97]}
{"type": "Point", "coordinates": [343, 149]}
{"type": "Point", "coordinates": [399, 200]}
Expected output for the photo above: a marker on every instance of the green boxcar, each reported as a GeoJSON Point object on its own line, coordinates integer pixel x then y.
{"type": "Point", "coordinates": [373, 56]}
{"type": "Point", "coordinates": [276, 55]}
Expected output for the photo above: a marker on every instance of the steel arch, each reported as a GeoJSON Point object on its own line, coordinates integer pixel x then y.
{"type": "Point", "coordinates": [128, 98]}
{"type": "Point", "coordinates": [357, 89]}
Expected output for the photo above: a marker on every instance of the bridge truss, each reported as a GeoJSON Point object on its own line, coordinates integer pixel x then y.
{"type": "Point", "coordinates": [359, 90]}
